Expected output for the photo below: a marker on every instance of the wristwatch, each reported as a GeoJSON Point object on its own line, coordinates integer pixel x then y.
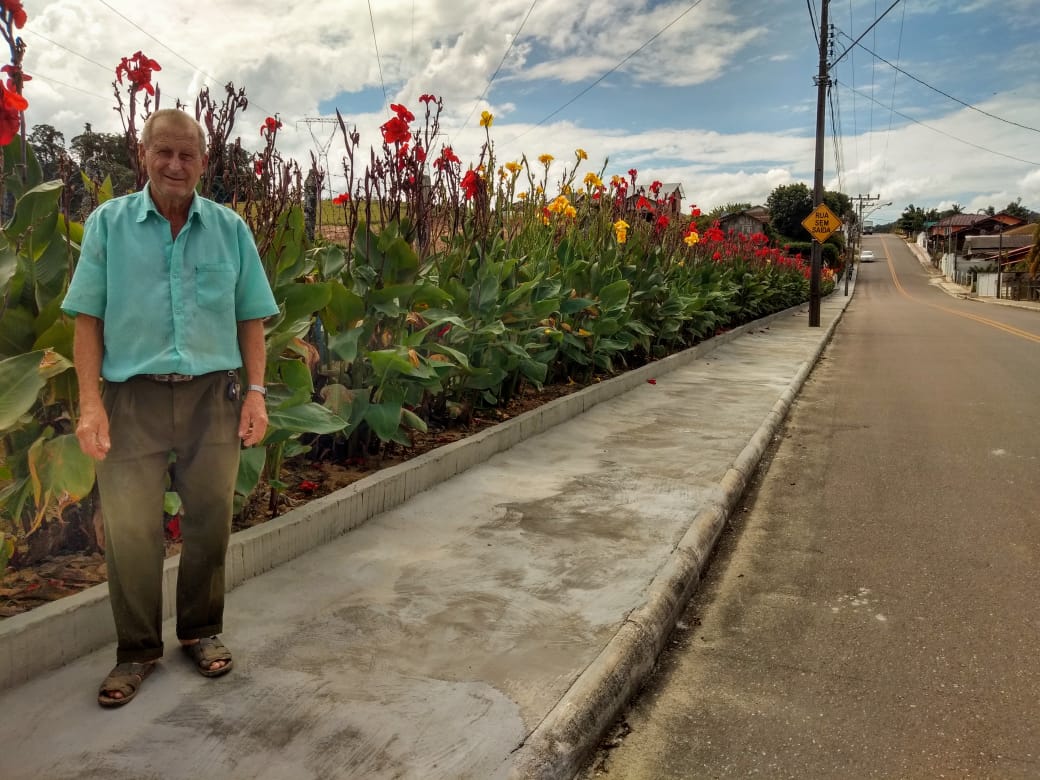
{"type": "Point", "coordinates": [259, 388]}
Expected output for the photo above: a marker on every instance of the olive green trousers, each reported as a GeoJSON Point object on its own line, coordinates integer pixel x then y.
{"type": "Point", "coordinates": [197, 423]}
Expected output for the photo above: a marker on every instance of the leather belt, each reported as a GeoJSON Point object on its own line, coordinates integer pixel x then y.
{"type": "Point", "coordinates": [169, 377]}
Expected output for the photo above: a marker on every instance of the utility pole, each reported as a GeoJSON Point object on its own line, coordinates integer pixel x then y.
{"type": "Point", "coordinates": [323, 155]}
{"type": "Point", "coordinates": [822, 83]}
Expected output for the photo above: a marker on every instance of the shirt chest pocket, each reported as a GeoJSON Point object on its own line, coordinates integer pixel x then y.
{"type": "Point", "coordinates": [215, 287]}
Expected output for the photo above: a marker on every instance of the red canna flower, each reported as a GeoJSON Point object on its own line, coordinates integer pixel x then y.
{"type": "Point", "coordinates": [632, 172]}
{"type": "Point", "coordinates": [341, 199]}
{"type": "Point", "coordinates": [655, 187]}
{"type": "Point", "coordinates": [173, 528]}
{"type": "Point", "coordinates": [420, 154]}
{"type": "Point", "coordinates": [695, 212]}
{"type": "Point", "coordinates": [258, 167]}
{"type": "Point", "coordinates": [402, 112]}
{"type": "Point", "coordinates": [11, 72]}
{"type": "Point", "coordinates": [270, 126]}
{"type": "Point", "coordinates": [396, 131]}
{"type": "Point", "coordinates": [662, 222]}
{"type": "Point", "coordinates": [447, 156]}
{"type": "Point", "coordinates": [427, 99]}
{"type": "Point", "coordinates": [651, 381]}
{"type": "Point", "coordinates": [138, 71]}
{"type": "Point", "coordinates": [470, 184]}
{"type": "Point", "coordinates": [14, 7]}
{"type": "Point", "coordinates": [643, 203]}
{"type": "Point", "coordinates": [307, 486]}
{"type": "Point", "coordinates": [11, 106]}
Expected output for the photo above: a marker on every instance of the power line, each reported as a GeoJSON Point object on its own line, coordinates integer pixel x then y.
{"type": "Point", "coordinates": [948, 135]}
{"type": "Point", "coordinates": [812, 22]}
{"type": "Point", "coordinates": [939, 91]}
{"type": "Point", "coordinates": [500, 64]}
{"type": "Point", "coordinates": [379, 60]}
{"type": "Point", "coordinates": [179, 56]}
{"type": "Point", "coordinates": [589, 88]}
{"type": "Point", "coordinates": [875, 24]}
{"type": "Point", "coordinates": [42, 77]}
{"type": "Point", "coordinates": [70, 51]}
{"type": "Point", "coordinates": [895, 79]}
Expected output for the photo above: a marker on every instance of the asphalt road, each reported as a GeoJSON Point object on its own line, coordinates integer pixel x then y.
{"type": "Point", "coordinates": [874, 610]}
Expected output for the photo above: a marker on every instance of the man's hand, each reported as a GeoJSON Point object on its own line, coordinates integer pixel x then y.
{"type": "Point", "coordinates": [253, 424]}
{"type": "Point", "coordinates": [92, 432]}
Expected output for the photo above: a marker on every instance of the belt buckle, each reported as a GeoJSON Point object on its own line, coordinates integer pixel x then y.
{"type": "Point", "coordinates": [171, 377]}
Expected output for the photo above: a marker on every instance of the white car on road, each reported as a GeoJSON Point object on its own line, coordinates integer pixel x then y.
{"type": "Point", "coordinates": [866, 256]}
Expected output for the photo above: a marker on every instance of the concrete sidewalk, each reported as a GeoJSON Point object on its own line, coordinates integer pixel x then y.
{"type": "Point", "coordinates": [491, 625]}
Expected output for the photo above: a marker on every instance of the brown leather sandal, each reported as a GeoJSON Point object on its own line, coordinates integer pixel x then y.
{"type": "Point", "coordinates": [125, 678]}
{"type": "Point", "coordinates": [206, 652]}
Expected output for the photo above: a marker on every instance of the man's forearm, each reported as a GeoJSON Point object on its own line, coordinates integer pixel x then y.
{"type": "Point", "coordinates": [253, 349]}
{"type": "Point", "coordinates": [88, 347]}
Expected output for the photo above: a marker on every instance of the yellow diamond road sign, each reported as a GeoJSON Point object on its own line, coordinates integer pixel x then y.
{"type": "Point", "coordinates": [821, 223]}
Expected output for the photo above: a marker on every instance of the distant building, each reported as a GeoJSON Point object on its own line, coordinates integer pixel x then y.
{"type": "Point", "coordinates": [667, 201]}
{"type": "Point", "coordinates": [749, 221]}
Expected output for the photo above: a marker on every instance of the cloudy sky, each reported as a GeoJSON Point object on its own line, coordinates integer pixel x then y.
{"type": "Point", "coordinates": [715, 94]}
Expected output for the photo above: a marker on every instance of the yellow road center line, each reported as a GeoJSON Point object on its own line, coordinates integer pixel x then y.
{"type": "Point", "coordinates": [976, 317]}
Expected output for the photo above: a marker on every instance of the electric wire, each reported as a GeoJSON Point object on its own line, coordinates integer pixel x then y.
{"type": "Point", "coordinates": [870, 123]}
{"type": "Point", "coordinates": [948, 135]}
{"type": "Point", "coordinates": [836, 138]}
{"type": "Point", "coordinates": [176, 54]}
{"type": "Point", "coordinates": [43, 77]}
{"type": "Point", "coordinates": [617, 67]}
{"type": "Point", "coordinates": [108, 68]}
{"type": "Point", "coordinates": [895, 81]}
{"type": "Point", "coordinates": [875, 24]}
{"type": "Point", "coordinates": [500, 64]}
{"type": "Point", "coordinates": [812, 22]}
{"type": "Point", "coordinates": [379, 60]}
{"type": "Point", "coordinates": [855, 108]}
{"type": "Point", "coordinates": [945, 94]}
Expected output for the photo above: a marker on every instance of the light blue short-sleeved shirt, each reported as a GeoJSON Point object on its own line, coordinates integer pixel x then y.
{"type": "Point", "coordinates": [169, 305]}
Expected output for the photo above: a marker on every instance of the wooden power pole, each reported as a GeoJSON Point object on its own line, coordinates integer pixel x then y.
{"type": "Point", "coordinates": [822, 82]}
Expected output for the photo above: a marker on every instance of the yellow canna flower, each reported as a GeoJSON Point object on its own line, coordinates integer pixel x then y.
{"type": "Point", "coordinates": [486, 118]}
{"type": "Point", "coordinates": [583, 332]}
{"type": "Point", "coordinates": [539, 190]}
{"type": "Point", "coordinates": [592, 181]}
{"type": "Point", "coordinates": [621, 231]}
{"type": "Point", "coordinates": [566, 189]}
{"type": "Point", "coordinates": [581, 154]}
{"type": "Point", "coordinates": [559, 205]}
{"type": "Point", "coordinates": [547, 331]}
{"type": "Point", "coordinates": [570, 212]}
{"type": "Point", "coordinates": [513, 167]}
{"type": "Point", "coordinates": [691, 238]}
{"type": "Point", "coordinates": [522, 195]}
{"type": "Point", "coordinates": [545, 159]}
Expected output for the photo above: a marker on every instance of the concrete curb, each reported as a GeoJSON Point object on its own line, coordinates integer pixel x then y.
{"type": "Point", "coordinates": [56, 633]}
{"type": "Point", "coordinates": [561, 744]}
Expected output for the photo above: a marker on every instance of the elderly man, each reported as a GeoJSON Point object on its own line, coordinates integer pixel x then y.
{"type": "Point", "coordinates": [169, 297]}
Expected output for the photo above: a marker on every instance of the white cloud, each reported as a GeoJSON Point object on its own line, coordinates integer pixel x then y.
{"type": "Point", "coordinates": [292, 60]}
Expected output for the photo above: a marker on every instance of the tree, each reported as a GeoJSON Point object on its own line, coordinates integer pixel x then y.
{"type": "Point", "coordinates": [788, 205]}
{"type": "Point", "coordinates": [912, 220]}
{"type": "Point", "coordinates": [49, 145]}
{"type": "Point", "coordinates": [1016, 209]}
{"type": "Point", "coordinates": [103, 155]}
